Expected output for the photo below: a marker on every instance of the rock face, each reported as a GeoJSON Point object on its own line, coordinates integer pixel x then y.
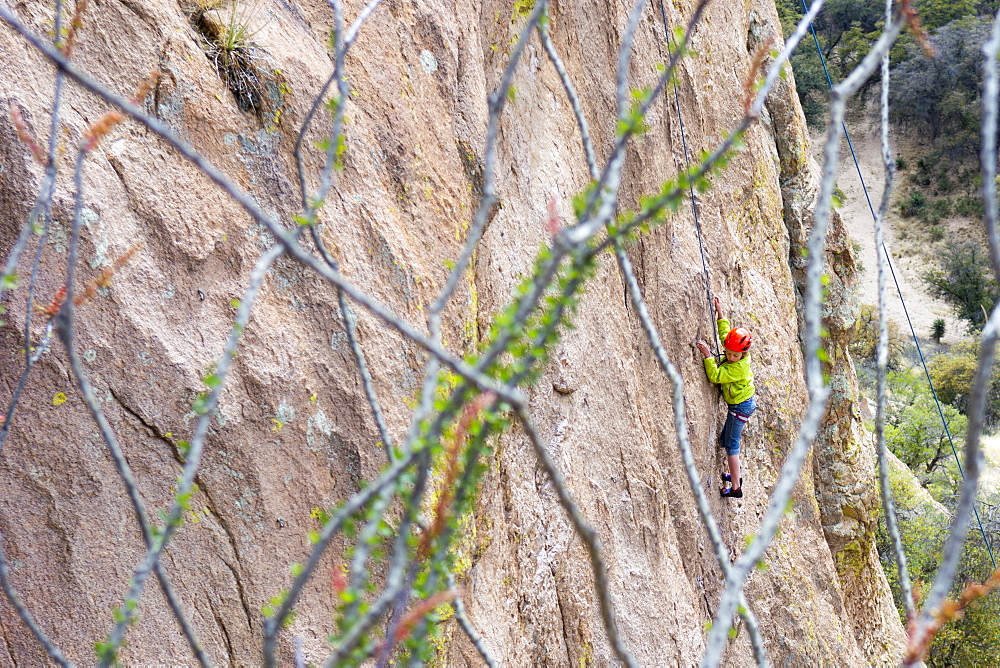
{"type": "Point", "coordinates": [294, 432]}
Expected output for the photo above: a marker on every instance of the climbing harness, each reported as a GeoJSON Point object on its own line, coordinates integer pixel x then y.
{"type": "Point", "coordinates": [694, 200]}
{"type": "Point", "coordinates": [906, 312]}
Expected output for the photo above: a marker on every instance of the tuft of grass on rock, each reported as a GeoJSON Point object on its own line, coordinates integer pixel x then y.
{"type": "Point", "coordinates": [242, 64]}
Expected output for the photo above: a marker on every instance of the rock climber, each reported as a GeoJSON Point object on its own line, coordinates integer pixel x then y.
{"type": "Point", "coordinates": [736, 380]}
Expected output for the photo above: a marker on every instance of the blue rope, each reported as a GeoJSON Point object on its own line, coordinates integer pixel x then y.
{"type": "Point", "coordinates": [694, 202]}
{"type": "Point", "coordinates": [913, 333]}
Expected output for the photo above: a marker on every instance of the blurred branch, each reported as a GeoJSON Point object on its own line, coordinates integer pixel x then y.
{"type": "Point", "coordinates": [882, 355]}
{"type": "Point", "coordinates": [586, 533]}
{"type": "Point", "coordinates": [813, 340]}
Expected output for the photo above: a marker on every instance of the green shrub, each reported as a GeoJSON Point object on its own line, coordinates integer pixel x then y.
{"type": "Point", "coordinates": [939, 209]}
{"type": "Point", "coordinates": [913, 205]}
{"type": "Point", "coordinates": [864, 346]}
{"type": "Point", "coordinates": [970, 207]}
{"type": "Point", "coordinates": [953, 373]}
{"type": "Point", "coordinates": [963, 280]}
{"type": "Point", "coordinates": [914, 431]}
{"type": "Point", "coordinates": [974, 639]}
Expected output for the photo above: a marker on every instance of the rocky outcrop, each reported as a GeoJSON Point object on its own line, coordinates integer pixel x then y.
{"type": "Point", "coordinates": [294, 433]}
{"type": "Point", "coordinates": [844, 463]}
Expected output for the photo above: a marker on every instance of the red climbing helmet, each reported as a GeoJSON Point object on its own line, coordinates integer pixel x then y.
{"type": "Point", "coordinates": [738, 340]}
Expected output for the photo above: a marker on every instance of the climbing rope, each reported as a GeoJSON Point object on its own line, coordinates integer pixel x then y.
{"type": "Point", "coordinates": [895, 280]}
{"type": "Point", "coordinates": [694, 200]}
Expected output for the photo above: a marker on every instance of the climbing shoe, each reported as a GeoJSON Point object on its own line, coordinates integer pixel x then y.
{"type": "Point", "coordinates": [728, 478]}
{"type": "Point", "coordinates": [733, 493]}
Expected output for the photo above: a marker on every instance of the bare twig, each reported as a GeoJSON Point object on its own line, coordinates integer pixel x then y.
{"type": "Point", "coordinates": [22, 611]}
{"type": "Point", "coordinates": [586, 229]}
{"type": "Point", "coordinates": [882, 359]}
{"type": "Point", "coordinates": [587, 534]}
{"type": "Point", "coordinates": [470, 631]}
{"type": "Point", "coordinates": [206, 408]}
{"type": "Point", "coordinates": [988, 153]}
{"type": "Point", "coordinates": [609, 179]}
{"type": "Point", "coordinates": [625, 55]}
{"type": "Point", "coordinates": [310, 207]}
{"type": "Point", "coordinates": [818, 391]}
{"type": "Point", "coordinates": [496, 105]}
{"type": "Point", "coordinates": [574, 100]}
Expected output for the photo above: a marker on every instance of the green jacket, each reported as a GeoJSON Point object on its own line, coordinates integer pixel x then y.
{"type": "Point", "coordinates": [736, 379]}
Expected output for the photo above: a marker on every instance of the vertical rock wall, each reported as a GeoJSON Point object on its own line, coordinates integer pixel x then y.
{"type": "Point", "coordinates": [294, 432]}
{"type": "Point", "coordinates": [844, 453]}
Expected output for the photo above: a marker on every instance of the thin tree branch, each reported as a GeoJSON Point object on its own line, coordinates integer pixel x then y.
{"type": "Point", "coordinates": [587, 228]}
{"type": "Point", "coordinates": [352, 34]}
{"type": "Point", "coordinates": [684, 443]}
{"type": "Point", "coordinates": [496, 105]}
{"type": "Point", "coordinates": [882, 357]}
{"type": "Point", "coordinates": [362, 550]}
{"type": "Point", "coordinates": [206, 409]}
{"type": "Point", "coordinates": [64, 327]}
{"type": "Point", "coordinates": [347, 316]}
{"type": "Point", "coordinates": [817, 389]}
{"type": "Point", "coordinates": [574, 100]}
{"type": "Point", "coordinates": [625, 56]}
{"type": "Point", "coordinates": [587, 534]}
{"type": "Point", "coordinates": [54, 653]}
{"type": "Point", "coordinates": [395, 581]}
{"type": "Point", "coordinates": [470, 630]}
{"type": "Point", "coordinates": [334, 524]}
{"type": "Point", "coordinates": [44, 203]}
{"type": "Point", "coordinates": [609, 180]}
{"type": "Point", "coordinates": [988, 153]}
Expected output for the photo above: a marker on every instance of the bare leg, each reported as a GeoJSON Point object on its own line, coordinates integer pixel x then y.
{"type": "Point", "coordinates": [734, 471]}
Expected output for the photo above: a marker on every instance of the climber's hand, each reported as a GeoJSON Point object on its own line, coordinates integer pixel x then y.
{"type": "Point", "coordinates": [703, 347]}
{"type": "Point", "coordinates": [718, 305]}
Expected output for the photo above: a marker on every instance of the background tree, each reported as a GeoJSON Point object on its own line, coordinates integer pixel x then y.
{"type": "Point", "coordinates": [939, 93]}
{"type": "Point", "coordinates": [914, 432]}
{"type": "Point", "coordinates": [864, 347]}
{"type": "Point", "coordinates": [953, 374]}
{"type": "Point", "coordinates": [963, 281]}
{"type": "Point", "coordinates": [846, 30]}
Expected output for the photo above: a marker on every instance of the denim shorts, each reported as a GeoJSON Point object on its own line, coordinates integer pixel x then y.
{"type": "Point", "coordinates": [736, 419]}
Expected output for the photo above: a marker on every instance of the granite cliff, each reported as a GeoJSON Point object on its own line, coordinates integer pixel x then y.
{"type": "Point", "coordinates": [294, 432]}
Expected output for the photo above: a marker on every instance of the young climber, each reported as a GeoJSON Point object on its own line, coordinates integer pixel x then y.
{"type": "Point", "coordinates": [736, 380]}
